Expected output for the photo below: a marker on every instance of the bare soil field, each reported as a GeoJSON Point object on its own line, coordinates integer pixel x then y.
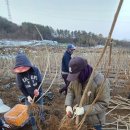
{"type": "Point", "coordinates": [118, 113]}
{"type": "Point", "coordinates": [54, 110]}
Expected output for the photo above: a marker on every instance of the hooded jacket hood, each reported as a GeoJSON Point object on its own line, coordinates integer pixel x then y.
{"type": "Point", "coordinates": [22, 60]}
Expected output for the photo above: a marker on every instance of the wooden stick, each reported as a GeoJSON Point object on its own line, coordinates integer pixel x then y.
{"type": "Point", "coordinates": [46, 66]}
{"type": "Point", "coordinates": [112, 109]}
{"type": "Point", "coordinates": [51, 82]}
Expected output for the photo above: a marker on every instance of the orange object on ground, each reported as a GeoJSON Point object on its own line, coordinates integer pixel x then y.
{"type": "Point", "coordinates": [17, 115]}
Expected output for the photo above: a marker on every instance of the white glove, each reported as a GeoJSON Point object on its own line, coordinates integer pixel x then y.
{"type": "Point", "coordinates": [79, 111]}
{"type": "Point", "coordinates": [29, 99]}
{"type": "Point", "coordinates": [69, 111]}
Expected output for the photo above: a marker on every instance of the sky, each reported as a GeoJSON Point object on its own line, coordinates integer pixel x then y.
{"type": "Point", "coordinates": [90, 15]}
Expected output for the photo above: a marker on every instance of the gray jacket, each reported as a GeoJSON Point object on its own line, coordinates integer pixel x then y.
{"type": "Point", "coordinates": [97, 115]}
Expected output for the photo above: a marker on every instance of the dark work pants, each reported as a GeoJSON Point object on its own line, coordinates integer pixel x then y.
{"type": "Point", "coordinates": [98, 127]}
{"type": "Point", "coordinates": [64, 89]}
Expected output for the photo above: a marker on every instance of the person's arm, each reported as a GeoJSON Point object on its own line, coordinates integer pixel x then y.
{"type": "Point", "coordinates": [103, 101]}
{"type": "Point", "coordinates": [69, 101]}
{"type": "Point", "coordinates": [70, 95]}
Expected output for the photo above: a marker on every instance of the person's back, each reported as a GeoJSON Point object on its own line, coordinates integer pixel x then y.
{"type": "Point", "coordinates": [65, 62]}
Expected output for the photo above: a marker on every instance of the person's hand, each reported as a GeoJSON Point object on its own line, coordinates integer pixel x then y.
{"type": "Point", "coordinates": [79, 111]}
{"type": "Point", "coordinates": [69, 111]}
{"type": "Point", "coordinates": [29, 99]}
{"type": "Point", "coordinates": [36, 92]}
{"type": "Point", "coordinates": [6, 125]}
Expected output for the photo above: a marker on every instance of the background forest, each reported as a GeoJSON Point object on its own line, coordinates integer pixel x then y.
{"type": "Point", "coordinates": [27, 31]}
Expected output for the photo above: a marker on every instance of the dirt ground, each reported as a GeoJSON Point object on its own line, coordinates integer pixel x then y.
{"type": "Point", "coordinates": [54, 110]}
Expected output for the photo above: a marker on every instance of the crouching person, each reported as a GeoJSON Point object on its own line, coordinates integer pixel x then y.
{"type": "Point", "coordinates": [79, 74]}
{"type": "Point", "coordinates": [28, 79]}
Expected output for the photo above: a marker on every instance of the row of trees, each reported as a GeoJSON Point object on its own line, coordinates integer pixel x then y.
{"type": "Point", "coordinates": [28, 31]}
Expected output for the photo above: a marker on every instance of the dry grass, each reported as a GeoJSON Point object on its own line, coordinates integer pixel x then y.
{"type": "Point", "coordinates": [119, 76]}
{"type": "Point", "coordinates": [35, 110]}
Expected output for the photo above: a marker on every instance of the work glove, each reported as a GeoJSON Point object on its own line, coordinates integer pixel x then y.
{"type": "Point", "coordinates": [6, 125]}
{"type": "Point", "coordinates": [36, 92]}
{"type": "Point", "coordinates": [69, 111]}
{"type": "Point", "coordinates": [29, 99]}
{"type": "Point", "coordinates": [79, 111]}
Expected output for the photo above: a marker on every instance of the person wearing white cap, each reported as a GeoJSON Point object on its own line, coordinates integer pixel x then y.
{"type": "Point", "coordinates": [65, 66]}
{"type": "Point", "coordinates": [3, 108]}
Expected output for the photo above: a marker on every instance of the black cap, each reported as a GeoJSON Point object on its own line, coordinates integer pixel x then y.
{"type": "Point", "coordinates": [76, 65]}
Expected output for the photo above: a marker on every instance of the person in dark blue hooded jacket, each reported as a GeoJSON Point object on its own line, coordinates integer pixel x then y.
{"type": "Point", "coordinates": [28, 79]}
{"type": "Point", "coordinates": [65, 66]}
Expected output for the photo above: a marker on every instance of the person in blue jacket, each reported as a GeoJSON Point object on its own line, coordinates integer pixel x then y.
{"type": "Point", "coordinates": [65, 66]}
{"type": "Point", "coordinates": [28, 79]}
